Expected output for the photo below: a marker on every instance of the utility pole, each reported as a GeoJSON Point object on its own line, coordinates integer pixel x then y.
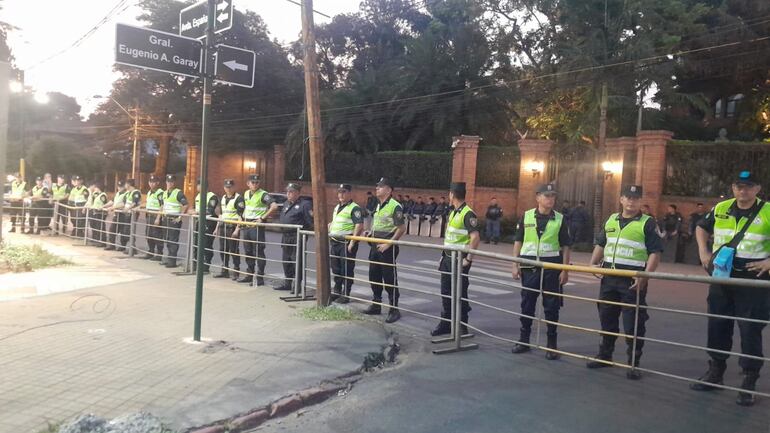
{"type": "Point", "coordinates": [317, 170]}
{"type": "Point", "coordinates": [135, 155]}
{"type": "Point", "coordinates": [208, 52]}
{"type": "Point", "coordinates": [600, 147]}
{"type": "Point", "coordinates": [5, 70]}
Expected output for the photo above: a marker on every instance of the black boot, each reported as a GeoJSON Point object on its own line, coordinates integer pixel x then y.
{"type": "Point", "coordinates": [605, 354]}
{"type": "Point", "coordinates": [443, 328]}
{"type": "Point", "coordinates": [171, 263]}
{"type": "Point", "coordinates": [523, 338]}
{"type": "Point", "coordinates": [222, 274]}
{"type": "Point", "coordinates": [374, 309]}
{"type": "Point", "coordinates": [633, 373]}
{"type": "Point", "coordinates": [715, 374]}
{"type": "Point", "coordinates": [750, 384]}
{"type": "Point", "coordinates": [12, 230]}
{"type": "Point", "coordinates": [551, 356]}
{"type": "Point", "coordinates": [246, 279]}
{"type": "Point", "coordinates": [393, 315]}
{"type": "Point", "coordinates": [235, 273]}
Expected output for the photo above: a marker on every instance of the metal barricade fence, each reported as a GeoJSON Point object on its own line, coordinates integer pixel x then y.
{"type": "Point", "coordinates": [26, 214]}
{"type": "Point", "coordinates": [161, 237]}
{"type": "Point", "coordinates": [456, 324]}
{"type": "Point", "coordinates": [110, 228]}
{"type": "Point", "coordinates": [74, 221]}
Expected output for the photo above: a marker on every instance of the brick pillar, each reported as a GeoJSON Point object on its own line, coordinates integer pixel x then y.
{"type": "Point", "coordinates": [617, 149]}
{"type": "Point", "coordinates": [192, 170]}
{"type": "Point", "coordinates": [532, 150]}
{"type": "Point", "coordinates": [279, 167]}
{"type": "Point", "coordinates": [651, 164]}
{"type": "Point", "coordinates": [465, 150]}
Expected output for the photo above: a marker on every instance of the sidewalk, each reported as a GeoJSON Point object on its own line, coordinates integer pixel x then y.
{"type": "Point", "coordinates": [119, 343]}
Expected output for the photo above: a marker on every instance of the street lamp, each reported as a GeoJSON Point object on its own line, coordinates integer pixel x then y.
{"type": "Point", "coordinates": [135, 155]}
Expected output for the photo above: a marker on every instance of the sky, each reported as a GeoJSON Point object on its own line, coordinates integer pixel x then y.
{"type": "Point", "coordinates": [47, 27]}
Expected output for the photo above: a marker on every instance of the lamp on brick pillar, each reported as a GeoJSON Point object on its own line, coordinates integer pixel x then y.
{"type": "Point", "coordinates": [651, 164]}
{"type": "Point", "coordinates": [192, 171]}
{"type": "Point", "coordinates": [465, 149]}
{"type": "Point", "coordinates": [279, 167]}
{"type": "Point", "coordinates": [535, 155]}
{"type": "Point", "coordinates": [613, 165]}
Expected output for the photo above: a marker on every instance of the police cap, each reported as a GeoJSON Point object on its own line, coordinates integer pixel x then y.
{"type": "Point", "coordinates": [154, 178]}
{"type": "Point", "coordinates": [746, 178]}
{"type": "Point", "coordinates": [254, 178]}
{"type": "Point", "coordinates": [170, 178]}
{"type": "Point", "coordinates": [130, 182]}
{"type": "Point", "coordinates": [632, 191]}
{"type": "Point", "coordinates": [38, 179]}
{"type": "Point", "coordinates": [384, 181]}
{"type": "Point", "coordinates": [546, 188]}
{"type": "Point", "coordinates": [121, 183]}
{"type": "Point", "coordinates": [76, 177]}
{"type": "Point", "coordinates": [61, 176]}
{"type": "Point", "coordinates": [344, 187]}
{"type": "Point", "coordinates": [293, 186]}
{"type": "Point", "coordinates": [229, 183]}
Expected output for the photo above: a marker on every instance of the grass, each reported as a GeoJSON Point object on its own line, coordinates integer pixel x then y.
{"type": "Point", "coordinates": [328, 314]}
{"type": "Point", "coordinates": [26, 258]}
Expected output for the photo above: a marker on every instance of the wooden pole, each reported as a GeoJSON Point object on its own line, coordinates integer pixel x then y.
{"type": "Point", "coordinates": [317, 170]}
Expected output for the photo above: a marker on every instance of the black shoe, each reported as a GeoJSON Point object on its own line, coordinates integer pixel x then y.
{"type": "Point", "coordinates": [247, 279]}
{"type": "Point", "coordinates": [552, 356]}
{"type": "Point", "coordinates": [520, 348]}
{"type": "Point", "coordinates": [235, 274]}
{"type": "Point", "coordinates": [171, 264]}
{"type": "Point", "coordinates": [260, 281]}
{"type": "Point", "coordinates": [156, 259]}
{"type": "Point", "coordinates": [222, 274]}
{"type": "Point", "coordinates": [110, 248]}
{"type": "Point", "coordinates": [120, 249]}
{"type": "Point", "coordinates": [393, 315]}
{"type": "Point", "coordinates": [633, 374]}
{"type": "Point", "coordinates": [598, 364]}
{"type": "Point", "coordinates": [12, 230]}
{"type": "Point", "coordinates": [343, 300]}
{"type": "Point", "coordinates": [715, 375]}
{"type": "Point", "coordinates": [443, 328]}
{"type": "Point", "coordinates": [28, 232]}
{"type": "Point", "coordinates": [283, 287]}
{"type": "Point", "coordinates": [373, 310]}
{"type": "Point", "coordinates": [37, 232]}
{"type": "Point", "coordinates": [206, 269]}
{"type": "Point", "coordinates": [749, 384]}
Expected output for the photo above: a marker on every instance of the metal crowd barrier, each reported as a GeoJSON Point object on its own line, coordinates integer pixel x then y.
{"type": "Point", "coordinates": [74, 221]}
{"type": "Point", "coordinates": [23, 213]}
{"type": "Point", "coordinates": [151, 235]}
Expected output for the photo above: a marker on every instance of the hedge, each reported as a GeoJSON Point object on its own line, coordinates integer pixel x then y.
{"type": "Point", "coordinates": [498, 166]}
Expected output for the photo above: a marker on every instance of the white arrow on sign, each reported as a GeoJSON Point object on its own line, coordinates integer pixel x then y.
{"type": "Point", "coordinates": [222, 6]}
{"type": "Point", "coordinates": [223, 17]}
{"type": "Point", "coordinates": [233, 65]}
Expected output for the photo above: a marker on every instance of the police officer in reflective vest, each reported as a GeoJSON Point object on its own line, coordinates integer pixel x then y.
{"type": "Point", "coordinates": [61, 191]}
{"type": "Point", "coordinates": [751, 261]}
{"type": "Point", "coordinates": [232, 210]}
{"type": "Point", "coordinates": [348, 219]}
{"type": "Point", "coordinates": [212, 204]}
{"type": "Point", "coordinates": [116, 205]}
{"type": "Point", "coordinates": [16, 199]}
{"type": "Point", "coordinates": [542, 235]}
{"type": "Point", "coordinates": [629, 240]}
{"type": "Point", "coordinates": [174, 206]}
{"type": "Point", "coordinates": [260, 206]}
{"type": "Point", "coordinates": [77, 200]}
{"type": "Point", "coordinates": [462, 230]}
{"type": "Point", "coordinates": [40, 209]}
{"type": "Point", "coordinates": [96, 203]}
{"type": "Point", "coordinates": [152, 219]}
{"type": "Point", "coordinates": [387, 223]}
{"type": "Point", "coordinates": [132, 201]}
{"type": "Point", "coordinates": [297, 212]}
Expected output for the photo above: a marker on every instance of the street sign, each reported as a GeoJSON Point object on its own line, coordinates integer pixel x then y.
{"type": "Point", "coordinates": [192, 19]}
{"type": "Point", "coordinates": [159, 51]}
{"type": "Point", "coordinates": [234, 66]}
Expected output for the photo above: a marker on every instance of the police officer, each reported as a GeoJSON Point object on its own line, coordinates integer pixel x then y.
{"type": "Point", "coordinates": [132, 201]}
{"type": "Point", "coordinates": [541, 234]}
{"type": "Point", "coordinates": [77, 199]}
{"type": "Point", "coordinates": [629, 240]}
{"type": "Point", "coordinates": [260, 206]}
{"type": "Point", "coordinates": [751, 261]}
{"type": "Point", "coordinates": [116, 205]}
{"type": "Point", "coordinates": [233, 207]}
{"type": "Point", "coordinates": [462, 230]}
{"type": "Point", "coordinates": [60, 191]}
{"type": "Point", "coordinates": [494, 215]}
{"type": "Point", "coordinates": [18, 193]}
{"type": "Point", "coordinates": [347, 219]}
{"type": "Point", "coordinates": [96, 203]}
{"type": "Point", "coordinates": [387, 223]}
{"type": "Point", "coordinates": [174, 206]}
{"type": "Point", "coordinates": [212, 204]}
{"type": "Point", "coordinates": [152, 219]}
{"type": "Point", "coordinates": [298, 212]}
{"type": "Point", "coordinates": [40, 208]}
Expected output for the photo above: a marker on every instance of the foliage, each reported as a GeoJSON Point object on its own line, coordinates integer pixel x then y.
{"type": "Point", "coordinates": [329, 314]}
{"type": "Point", "coordinates": [62, 155]}
{"type": "Point", "coordinates": [25, 258]}
{"type": "Point", "coordinates": [498, 167]}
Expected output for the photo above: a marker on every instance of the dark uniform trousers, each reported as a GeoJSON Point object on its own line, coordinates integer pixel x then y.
{"type": "Point", "coordinates": [228, 246]}
{"type": "Point", "coordinates": [384, 275]}
{"type": "Point", "coordinates": [289, 239]}
{"type": "Point", "coordinates": [171, 228]}
{"type": "Point", "coordinates": [40, 211]}
{"type": "Point", "coordinates": [343, 264]}
{"type": "Point", "coordinates": [254, 242]}
{"type": "Point", "coordinates": [78, 220]}
{"type": "Point", "coordinates": [530, 279]}
{"type": "Point", "coordinates": [208, 241]}
{"type": "Point", "coordinates": [17, 212]}
{"type": "Point", "coordinates": [121, 225]}
{"type": "Point", "coordinates": [744, 302]}
{"type": "Point", "coordinates": [154, 234]}
{"type": "Point", "coordinates": [60, 217]}
{"type": "Point", "coordinates": [444, 266]}
{"type": "Point", "coordinates": [96, 221]}
{"type": "Point", "coordinates": [616, 289]}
